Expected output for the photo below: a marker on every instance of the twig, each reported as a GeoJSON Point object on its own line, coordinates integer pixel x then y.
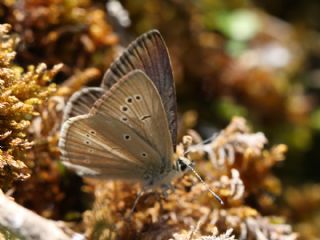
{"type": "Point", "coordinates": [26, 223]}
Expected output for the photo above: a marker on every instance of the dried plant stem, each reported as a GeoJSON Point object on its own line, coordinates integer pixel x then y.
{"type": "Point", "coordinates": [26, 223]}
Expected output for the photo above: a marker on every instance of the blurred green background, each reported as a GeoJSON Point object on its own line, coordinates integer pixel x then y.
{"type": "Point", "coordinates": [257, 59]}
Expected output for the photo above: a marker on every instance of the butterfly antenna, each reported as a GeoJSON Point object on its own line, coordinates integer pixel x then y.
{"type": "Point", "coordinates": [206, 185]}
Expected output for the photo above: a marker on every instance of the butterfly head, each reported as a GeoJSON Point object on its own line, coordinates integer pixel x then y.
{"type": "Point", "coordinates": [183, 164]}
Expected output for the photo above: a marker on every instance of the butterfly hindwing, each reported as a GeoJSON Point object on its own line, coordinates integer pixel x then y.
{"type": "Point", "coordinates": [81, 102]}
{"type": "Point", "coordinates": [149, 54]}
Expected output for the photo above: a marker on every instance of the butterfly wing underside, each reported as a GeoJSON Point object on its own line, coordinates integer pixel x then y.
{"type": "Point", "coordinates": [149, 54]}
{"type": "Point", "coordinates": [125, 135]}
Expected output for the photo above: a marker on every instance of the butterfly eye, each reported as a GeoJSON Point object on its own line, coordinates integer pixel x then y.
{"type": "Point", "coordinates": [138, 97]}
{"type": "Point", "coordinates": [129, 100]}
{"type": "Point", "coordinates": [182, 166]}
{"type": "Point", "coordinates": [126, 137]}
{"type": "Point", "coordinates": [124, 108]}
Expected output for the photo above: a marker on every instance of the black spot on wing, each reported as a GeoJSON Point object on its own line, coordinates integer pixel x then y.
{"type": "Point", "coordinates": [145, 117]}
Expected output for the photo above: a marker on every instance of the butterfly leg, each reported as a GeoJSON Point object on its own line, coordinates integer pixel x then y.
{"type": "Point", "coordinates": [160, 199]}
{"type": "Point", "coordinates": [139, 195]}
{"type": "Point", "coordinates": [172, 188]}
{"type": "Point", "coordinates": [166, 188]}
{"type": "Point", "coordinates": [164, 194]}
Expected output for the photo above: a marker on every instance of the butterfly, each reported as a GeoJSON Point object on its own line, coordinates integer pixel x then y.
{"type": "Point", "coordinates": [127, 128]}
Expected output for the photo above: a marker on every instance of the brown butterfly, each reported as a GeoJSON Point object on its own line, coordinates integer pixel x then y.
{"type": "Point", "coordinates": [126, 129]}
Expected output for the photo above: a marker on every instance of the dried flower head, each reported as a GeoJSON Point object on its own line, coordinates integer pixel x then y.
{"type": "Point", "coordinates": [193, 235]}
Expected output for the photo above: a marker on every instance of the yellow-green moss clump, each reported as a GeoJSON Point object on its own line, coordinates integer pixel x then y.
{"type": "Point", "coordinates": [20, 94]}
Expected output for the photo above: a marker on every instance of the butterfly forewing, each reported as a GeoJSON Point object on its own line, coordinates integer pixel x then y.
{"type": "Point", "coordinates": [149, 54]}
{"type": "Point", "coordinates": [138, 105]}
{"type": "Point", "coordinates": [126, 129]}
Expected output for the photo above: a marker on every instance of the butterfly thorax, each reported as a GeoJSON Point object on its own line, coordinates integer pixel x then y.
{"type": "Point", "coordinates": [160, 179]}
{"type": "Point", "coordinates": [163, 179]}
